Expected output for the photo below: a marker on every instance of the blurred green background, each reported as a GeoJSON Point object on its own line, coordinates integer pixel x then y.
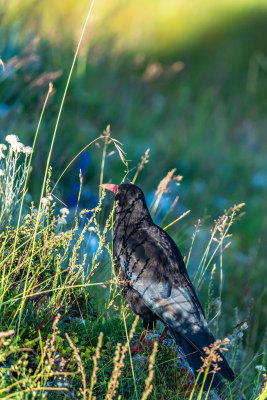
{"type": "Point", "coordinates": [187, 79]}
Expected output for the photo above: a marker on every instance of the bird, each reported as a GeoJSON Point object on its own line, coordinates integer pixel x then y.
{"type": "Point", "coordinates": [155, 282]}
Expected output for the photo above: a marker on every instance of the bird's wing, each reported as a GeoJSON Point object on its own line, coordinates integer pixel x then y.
{"type": "Point", "coordinates": [150, 264]}
{"type": "Point", "coordinates": [153, 265]}
{"type": "Point", "coordinates": [175, 307]}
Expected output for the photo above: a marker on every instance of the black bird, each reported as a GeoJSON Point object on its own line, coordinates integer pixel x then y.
{"type": "Point", "coordinates": [155, 282]}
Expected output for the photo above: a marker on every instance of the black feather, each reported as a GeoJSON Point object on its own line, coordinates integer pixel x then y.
{"type": "Point", "coordinates": [156, 284]}
{"type": "Point", "coordinates": [195, 361]}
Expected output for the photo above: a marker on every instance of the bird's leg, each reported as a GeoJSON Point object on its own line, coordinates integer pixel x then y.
{"type": "Point", "coordinates": [163, 335]}
{"type": "Point", "coordinates": [136, 348]}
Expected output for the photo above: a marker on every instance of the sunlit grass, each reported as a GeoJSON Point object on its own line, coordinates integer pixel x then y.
{"type": "Point", "coordinates": [50, 272]}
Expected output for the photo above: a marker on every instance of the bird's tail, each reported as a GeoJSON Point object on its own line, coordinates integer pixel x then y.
{"type": "Point", "coordinates": [193, 357]}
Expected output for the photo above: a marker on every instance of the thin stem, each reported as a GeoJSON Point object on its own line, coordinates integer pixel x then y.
{"type": "Point", "coordinates": [26, 181]}
{"type": "Point", "coordinates": [130, 354]}
{"type": "Point", "coordinates": [49, 157]}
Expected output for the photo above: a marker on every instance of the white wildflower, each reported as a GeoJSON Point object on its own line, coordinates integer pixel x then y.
{"type": "Point", "coordinates": [260, 368]}
{"type": "Point", "coordinates": [2, 155]}
{"type": "Point", "coordinates": [17, 147]}
{"type": "Point", "coordinates": [2, 147]}
{"type": "Point", "coordinates": [64, 211]}
{"type": "Point", "coordinates": [50, 198]}
{"type": "Point", "coordinates": [62, 221]}
{"type": "Point", "coordinates": [27, 150]}
{"type": "Point", "coordinates": [91, 229]}
{"type": "Point", "coordinates": [2, 173]}
{"type": "Point", "coordinates": [44, 201]}
{"type": "Point", "coordinates": [11, 139]}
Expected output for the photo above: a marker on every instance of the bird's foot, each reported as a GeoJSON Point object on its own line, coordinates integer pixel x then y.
{"type": "Point", "coordinates": [141, 349]}
{"type": "Point", "coordinates": [136, 346]}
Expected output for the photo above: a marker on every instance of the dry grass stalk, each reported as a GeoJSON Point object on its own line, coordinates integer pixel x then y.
{"type": "Point", "coordinates": [237, 207]}
{"type": "Point", "coordinates": [220, 229]}
{"type": "Point", "coordinates": [144, 160]}
{"type": "Point", "coordinates": [149, 386]}
{"type": "Point", "coordinates": [177, 219]}
{"type": "Point", "coordinates": [140, 166]}
{"type": "Point", "coordinates": [49, 353]}
{"type": "Point", "coordinates": [108, 139]}
{"type": "Point", "coordinates": [114, 380]}
{"type": "Point", "coordinates": [223, 223]}
{"type": "Point", "coordinates": [95, 367]}
{"type": "Point", "coordinates": [118, 364]}
{"type": "Point", "coordinates": [106, 132]}
{"type": "Point", "coordinates": [212, 357]}
{"type": "Point", "coordinates": [122, 153]}
{"type": "Point", "coordinates": [80, 366]}
{"type": "Point", "coordinates": [60, 364]}
{"type": "Point", "coordinates": [163, 186]}
{"type": "Point", "coordinates": [49, 347]}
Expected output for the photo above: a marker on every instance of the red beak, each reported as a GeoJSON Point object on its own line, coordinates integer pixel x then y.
{"type": "Point", "coordinates": [109, 186]}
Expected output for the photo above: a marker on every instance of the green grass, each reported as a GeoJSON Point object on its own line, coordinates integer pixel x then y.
{"type": "Point", "coordinates": [204, 116]}
{"type": "Point", "coordinates": [204, 121]}
{"type": "Point", "coordinates": [57, 298]}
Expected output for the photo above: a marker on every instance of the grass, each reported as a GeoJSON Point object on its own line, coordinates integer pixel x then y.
{"type": "Point", "coordinates": [205, 107]}
{"type": "Point", "coordinates": [66, 331]}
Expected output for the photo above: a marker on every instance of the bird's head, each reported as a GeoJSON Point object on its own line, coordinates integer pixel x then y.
{"type": "Point", "coordinates": [129, 198]}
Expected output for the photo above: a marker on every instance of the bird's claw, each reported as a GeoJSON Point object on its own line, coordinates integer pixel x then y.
{"type": "Point", "coordinates": [140, 349]}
